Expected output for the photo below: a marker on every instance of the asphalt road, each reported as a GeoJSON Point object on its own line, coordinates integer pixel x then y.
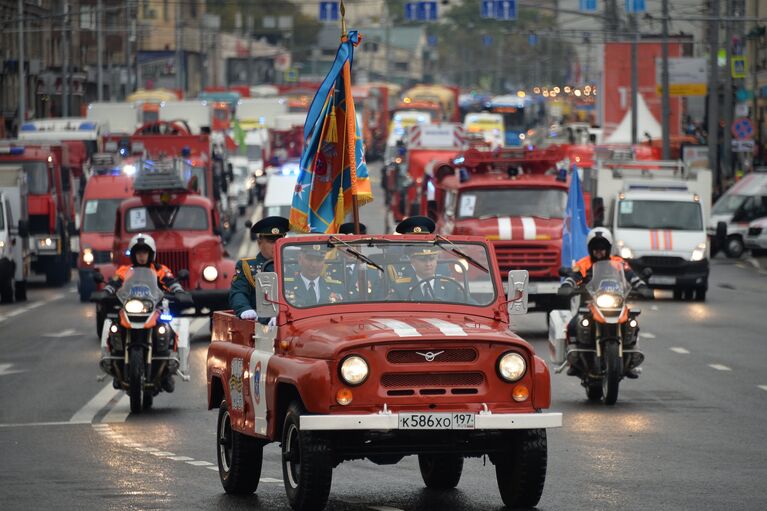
{"type": "Point", "coordinates": [688, 434]}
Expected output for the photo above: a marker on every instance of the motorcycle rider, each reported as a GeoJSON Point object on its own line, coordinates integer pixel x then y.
{"type": "Point", "coordinates": [599, 242]}
{"type": "Point", "coordinates": [142, 249]}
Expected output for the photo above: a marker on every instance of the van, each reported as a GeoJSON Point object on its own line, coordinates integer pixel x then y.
{"type": "Point", "coordinates": [744, 202]}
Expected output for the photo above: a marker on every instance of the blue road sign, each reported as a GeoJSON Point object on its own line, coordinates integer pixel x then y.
{"type": "Point", "coordinates": [532, 39]}
{"type": "Point", "coordinates": [487, 40]}
{"type": "Point", "coordinates": [409, 11]}
{"type": "Point", "coordinates": [329, 11]}
{"type": "Point", "coordinates": [487, 9]}
{"type": "Point", "coordinates": [635, 6]}
{"type": "Point", "coordinates": [431, 40]}
{"type": "Point", "coordinates": [426, 11]}
{"type": "Point", "coordinates": [588, 5]}
{"type": "Point", "coordinates": [506, 9]}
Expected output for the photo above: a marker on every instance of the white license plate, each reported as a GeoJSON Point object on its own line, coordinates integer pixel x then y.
{"type": "Point", "coordinates": [662, 279]}
{"type": "Point", "coordinates": [436, 421]}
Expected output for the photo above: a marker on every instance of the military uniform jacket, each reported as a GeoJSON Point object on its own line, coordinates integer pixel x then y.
{"type": "Point", "coordinates": [296, 292]}
{"type": "Point", "coordinates": [443, 290]}
{"type": "Point", "coordinates": [242, 293]}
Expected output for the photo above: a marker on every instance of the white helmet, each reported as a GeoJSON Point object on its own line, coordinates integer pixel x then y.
{"type": "Point", "coordinates": [145, 241]}
{"type": "Point", "coordinates": [599, 234]}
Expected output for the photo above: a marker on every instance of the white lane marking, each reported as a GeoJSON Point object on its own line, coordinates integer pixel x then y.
{"type": "Point", "coordinates": [384, 508]}
{"type": "Point", "coordinates": [94, 406]}
{"type": "Point", "coordinates": [646, 335]}
{"type": "Point", "coordinates": [147, 449]}
{"type": "Point", "coordinates": [753, 262]}
{"type": "Point", "coordinates": [653, 307]}
{"type": "Point", "coordinates": [681, 351]}
{"type": "Point", "coordinates": [31, 306]}
{"type": "Point", "coordinates": [270, 480]}
{"type": "Point", "coordinates": [180, 458]}
{"type": "Point", "coordinates": [400, 328]}
{"type": "Point", "coordinates": [213, 468]}
{"type": "Point", "coordinates": [5, 369]}
{"type": "Point", "coordinates": [119, 412]}
{"type": "Point", "coordinates": [528, 228]}
{"type": "Point", "coordinates": [504, 228]}
{"type": "Point", "coordinates": [197, 324]}
{"type": "Point", "coordinates": [35, 424]}
{"type": "Point", "coordinates": [69, 332]}
{"type": "Point", "coordinates": [763, 387]}
{"type": "Point", "coordinates": [719, 367]}
{"type": "Point", "coordinates": [164, 454]}
{"type": "Point", "coordinates": [446, 327]}
{"type": "Point", "coordinates": [740, 265]}
{"type": "Point", "coordinates": [200, 463]}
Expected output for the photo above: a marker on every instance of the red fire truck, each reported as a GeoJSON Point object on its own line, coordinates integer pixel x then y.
{"type": "Point", "coordinates": [509, 198]}
{"type": "Point", "coordinates": [381, 374]}
{"type": "Point", "coordinates": [50, 207]}
{"type": "Point", "coordinates": [186, 228]}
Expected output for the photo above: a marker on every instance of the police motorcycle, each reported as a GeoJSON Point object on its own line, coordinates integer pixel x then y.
{"type": "Point", "coordinates": [604, 349]}
{"type": "Point", "coordinates": [142, 345]}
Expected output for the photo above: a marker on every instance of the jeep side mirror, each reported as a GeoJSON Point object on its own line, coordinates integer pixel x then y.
{"type": "Point", "coordinates": [183, 274]}
{"type": "Point", "coordinates": [517, 296]}
{"type": "Point", "coordinates": [23, 229]}
{"type": "Point", "coordinates": [721, 231]}
{"type": "Point", "coordinates": [564, 271]}
{"type": "Point", "coordinates": [598, 211]}
{"type": "Point", "coordinates": [266, 294]}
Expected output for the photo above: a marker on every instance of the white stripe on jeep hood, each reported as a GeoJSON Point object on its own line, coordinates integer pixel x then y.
{"type": "Point", "coordinates": [446, 327]}
{"type": "Point", "coordinates": [400, 328]}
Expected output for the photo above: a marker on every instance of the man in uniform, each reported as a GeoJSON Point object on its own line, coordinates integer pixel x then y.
{"type": "Point", "coordinates": [242, 294]}
{"type": "Point", "coordinates": [416, 225]}
{"type": "Point", "coordinates": [419, 281]}
{"type": "Point", "coordinates": [348, 228]}
{"type": "Point", "coordinates": [308, 286]}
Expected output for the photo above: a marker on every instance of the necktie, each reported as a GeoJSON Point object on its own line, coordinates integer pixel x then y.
{"type": "Point", "coordinates": [311, 299]}
{"type": "Point", "coordinates": [428, 293]}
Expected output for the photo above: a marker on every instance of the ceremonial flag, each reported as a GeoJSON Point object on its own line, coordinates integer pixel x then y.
{"type": "Point", "coordinates": [332, 166]}
{"type": "Point", "coordinates": [575, 229]}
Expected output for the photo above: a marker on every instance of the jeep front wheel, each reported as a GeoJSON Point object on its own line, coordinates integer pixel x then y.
{"type": "Point", "coordinates": [307, 463]}
{"type": "Point", "coordinates": [440, 472]}
{"type": "Point", "coordinates": [239, 456]}
{"type": "Point", "coordinates": [521, 472]}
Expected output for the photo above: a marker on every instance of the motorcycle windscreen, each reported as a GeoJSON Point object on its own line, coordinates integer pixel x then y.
{"type": "Point", "coordinates": [608, 277]}
{"type": "Point", "coordinates": [140, 284]}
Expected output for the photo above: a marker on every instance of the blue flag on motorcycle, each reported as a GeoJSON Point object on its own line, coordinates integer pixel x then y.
{"type": "Point", "coordinates": [575, 230]}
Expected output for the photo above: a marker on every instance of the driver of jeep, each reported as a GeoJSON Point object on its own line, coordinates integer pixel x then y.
{"type": "Point", "coordinates": [420, 281]}
{"type": "Point", "coordinates": [309, 286]}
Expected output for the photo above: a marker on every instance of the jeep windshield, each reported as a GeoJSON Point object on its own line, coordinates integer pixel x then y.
{"type": "Point", "coordinates": [512, 202]}
{"type": "Point", "coordinates": [161, 218]}
{"type": "Point", "coordinates": [338, 271]}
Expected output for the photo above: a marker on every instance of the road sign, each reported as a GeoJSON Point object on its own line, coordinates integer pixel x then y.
{"type": "Point", "coordinates": [421, 11]}
{"type": "Point", "coordinates": [487, 40]}
{"type": "Point", "coordinates": [487, 9]}
{"type": "Point", "coordinates": [687, 76]}
{"type": "Point", "coordinates": [742, 129]}
{"type": "Point", "coordinates": [738, 66]}
{"type": "Point", "coordinates": [532, 39]}
{"type": "Point", "coordinates": [291, 75]}
{"type": "Point", "coordinates": [329, 11]}
{"type": "Point", "coordinates": [432, 41]}
{"type": "Point", "coordinates": [506, 9]}
{"type": "Point", "coordinates": [588, 5]}
{"type": "Point", "coordinates": [409, 12]}
{"type": "Point", "coordinates": [635, 6]}
{"type": "Point", "coordinates": [743, 146]}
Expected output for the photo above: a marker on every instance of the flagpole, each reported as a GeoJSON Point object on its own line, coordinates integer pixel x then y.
{"type": "Point", "coordinates": [355, 202]}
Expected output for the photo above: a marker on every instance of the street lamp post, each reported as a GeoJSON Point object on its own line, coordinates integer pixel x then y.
{"type": "Point", "coordinates": [22, 76]}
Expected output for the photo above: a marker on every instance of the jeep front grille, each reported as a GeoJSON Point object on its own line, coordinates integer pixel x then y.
{"type": "Point", "coordinates": [450, 355]}
{"type": "Point", "coordinates": [432, 380]}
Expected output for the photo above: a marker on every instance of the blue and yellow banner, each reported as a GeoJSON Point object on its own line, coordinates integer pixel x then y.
{"type": "Point", "coordinates": [332, 167]}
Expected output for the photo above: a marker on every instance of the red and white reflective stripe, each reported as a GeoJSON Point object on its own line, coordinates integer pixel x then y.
{"type": "Point", "coordinates": [668, 241]}
{"type": "Point", "coordinates": [459, 136]}
{"type": "Point", "coordinates": [446, 327]}
{"type": "Point", "coordinates": [529, 231]}
{"type": "Point", "coordinates": [504, 228]}
{"type": "Point", "coordinates": [414, 136]}
{"type": "Point", "coordinates": [400, 328]}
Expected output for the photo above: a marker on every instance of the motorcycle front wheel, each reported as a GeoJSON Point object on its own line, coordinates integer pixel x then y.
{"type": "Point", "coordinates": [136, 379]}
{"type": "Point", "coordinates": [613, 372]}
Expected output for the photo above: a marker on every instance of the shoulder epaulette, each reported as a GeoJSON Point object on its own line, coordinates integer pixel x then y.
{"type": "Point", "coordinates": [289, 279]}
{"type": "Point", "coordinates": [328, 280]}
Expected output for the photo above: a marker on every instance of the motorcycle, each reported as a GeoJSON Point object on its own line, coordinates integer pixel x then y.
{"type": "Point", "coordinates": [142, 344]}
{"type": "Point", "coordinates": [604, 349]}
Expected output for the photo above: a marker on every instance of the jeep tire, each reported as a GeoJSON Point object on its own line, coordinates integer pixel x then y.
{"type": "Point", "coordinates": [239, 456]}
{"type": "Point", "coordinates": [307, 463]}
{"type": "Point", "coordinates": [521, 471]}
{"type": "Point", "coordinates": [440, 471]}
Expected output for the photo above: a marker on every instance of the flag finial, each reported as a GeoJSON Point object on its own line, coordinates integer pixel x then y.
{"type": "Point", "coordinates": [343, 19]}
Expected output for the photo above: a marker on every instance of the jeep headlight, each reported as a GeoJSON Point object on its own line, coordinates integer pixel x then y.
{"type": "Point", "coordinates": [608, 301]}
{"type": "Point", "coordinates": [511, 366]}
{"type": "Point", "coordinates": [135, 306]}
{"type": "Point", "coordinates": [210, 273]}
{"type": "Point", "coordinates": [88, 256]}
{"type": "Point", "coordinates": [699, 253]}
{"type": "Point", "coordinates": [354, 370]}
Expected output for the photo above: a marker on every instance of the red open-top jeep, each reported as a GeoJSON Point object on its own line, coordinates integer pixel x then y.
{"type": "Point", "coordinates": [384, 373]}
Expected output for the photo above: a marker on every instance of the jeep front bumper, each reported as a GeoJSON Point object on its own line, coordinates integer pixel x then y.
{"type": "Point", "coordinates": [391, 421]}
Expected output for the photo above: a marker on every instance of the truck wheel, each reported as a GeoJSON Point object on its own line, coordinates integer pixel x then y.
{"type": "Point", "coordinates": [677, 294]}
{"type": "Point", "coordinates": [734, 247]}
{"type": "Point", "coordinates": [700, 294]}
{"type": "Point", "coordinates": [136, 379]}
{"type": "Point", "coordinates": [521, 472]}
{"type": "Point", "coordinates": [148, 400]}
{"type": "Point", "coordinates": [85, 286]}
{"type": "Point", "coordinates": [307, 463]}
{"type": "Point", "coordinates": [21, 290]}
{"type": "Point", "coordinates": [55, 273]}
{"type": "Point", "coordinates": [613, 372]}
{"type": "Point", "coordinates": [594, 391]}
{"type": "Point", "coordinates": [440, 472]}
{"type": "Point", "coordinates": [6, 290]}
{"type": "Point", "coordinates": [239, 456]}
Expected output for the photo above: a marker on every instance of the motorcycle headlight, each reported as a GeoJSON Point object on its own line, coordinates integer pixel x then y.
{"type": "Point", "coordinates": [135, 307]}
{"type": "Point", "coordinates": [354, 370]}
{"type": "Point", "coordinates": [511, 366]}
{"type": "Point", "coordinates": [210, 273]}
{"type": "Point", "coordinates": [699, 253]}
{"type": "Point", "coordinates": [259, 172]}
{"type": "Point", "coordinates": [608, 301]}
{"type": "Point", "coordinates": [88, 256]}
